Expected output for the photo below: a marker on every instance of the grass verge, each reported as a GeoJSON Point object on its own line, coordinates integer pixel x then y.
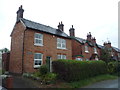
{"type": "Point", "coordinates": [82, 83]}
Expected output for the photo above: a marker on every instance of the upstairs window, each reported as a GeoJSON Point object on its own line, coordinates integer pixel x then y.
{"type": "Point", "coordinates": [37, 60]}
{"type": "Point", "coordinates": [86, 49]}
{"type": "Point", "coordinates": [59, 56]}
{"type": "Point", "coordinates": [38, 39]}
{"type": "Point", "coordinates": [118, 54]}
{"type": "Point", "coordinates": [61, 43]}
{"type": "Point", "coordinates": [95, 50]}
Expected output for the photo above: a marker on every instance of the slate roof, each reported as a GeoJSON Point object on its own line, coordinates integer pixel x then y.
{"type": "Point", "coordinates": [116, 49]}
{"type": "Point", "coordinates": [43, 28]}
{"type": "Point", "coordinates": [80, 40]}
{"type": "Point", "coordinates": [100, 46]}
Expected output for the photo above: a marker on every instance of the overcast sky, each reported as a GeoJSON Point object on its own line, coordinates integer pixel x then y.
{"type": "Point", "coordinates": [100, 17]}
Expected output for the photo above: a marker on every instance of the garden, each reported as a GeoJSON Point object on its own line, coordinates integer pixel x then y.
{"type": "Point", "coordinates": [75, 74]}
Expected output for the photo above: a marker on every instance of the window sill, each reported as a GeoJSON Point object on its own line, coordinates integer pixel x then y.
{"type": "Point", "coordinates": [36, 66]}
{"type": "Point", "coordinates": [38, 44]}
{"type": "Point", "coordinates": [95, 53]}
{"type": "Point", "coordinates": [87, 51]}
{"type": "Point", "coordinates": [62, 48]}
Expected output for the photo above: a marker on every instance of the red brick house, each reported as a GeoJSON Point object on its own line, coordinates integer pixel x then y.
{"type": "Point", "coordinates": [114, 52]}
{"type": "Point", "coordinates": [32, 43]}
{"type": "Point", "coordinates": [84, 49]}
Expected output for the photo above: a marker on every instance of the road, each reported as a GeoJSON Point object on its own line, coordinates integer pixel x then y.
{"type": "Point", "coordinates": [105, 84]}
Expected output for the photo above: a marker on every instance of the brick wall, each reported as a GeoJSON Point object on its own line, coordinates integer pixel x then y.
{"type": "Point", "coordinates": [76, 48]}
{"type": "Point", "coordinates": [16, 49]}
{"type": "Point", "coordinates": [5, 61]}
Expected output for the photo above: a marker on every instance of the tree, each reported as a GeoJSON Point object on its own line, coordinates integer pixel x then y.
{"type": "Point", "coordinates": [105, 55]}
{"type": "Point", "coordinates": [4, 50]}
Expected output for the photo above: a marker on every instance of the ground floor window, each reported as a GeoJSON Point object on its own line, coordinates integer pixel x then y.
{"type": "Point", "coordinates": [59, 56]}
{"type": "Point", "coordinates": [38, 60]}
{"type": "Point", "coordinates": [79, 59]}
{"type": "Point", "coordinates": [87, 59]}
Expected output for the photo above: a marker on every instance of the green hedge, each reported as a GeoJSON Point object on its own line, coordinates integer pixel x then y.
{"type": "Point", "coordinates": [71, 70]}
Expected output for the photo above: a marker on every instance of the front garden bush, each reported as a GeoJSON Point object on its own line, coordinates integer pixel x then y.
{"type": "Point", "coordinates": [113, 67]}
{"type": "Point", "coordinates": [43, 69]}
{"type": "Point", "coordinates": [46, 76]}
{"type": "Point", "coordinates": [72, 70]}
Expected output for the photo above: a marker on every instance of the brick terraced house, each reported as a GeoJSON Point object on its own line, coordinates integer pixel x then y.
{"type": "Point", "coordinates": [114, 52]}
{"type": "Point", "coordinates": [32, 43]}
{"type": "Point", "coordinates": [84, 49]}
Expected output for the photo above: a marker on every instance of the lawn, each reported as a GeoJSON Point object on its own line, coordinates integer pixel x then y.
{"type": "Point", "coordinates": [78, 84]}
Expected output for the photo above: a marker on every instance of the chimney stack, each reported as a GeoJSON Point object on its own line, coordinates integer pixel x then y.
{"type": "Point", "coordinates": [61, 26]}
{"type": "Point", "coordinates": [89, 36]}
{"type": "Point", "coordinates": [108, 45]}
{"type": "Point", "coordinates": [19, 13]}
{"type": "Point", "coordinates": [94, 40]}
{"type": "Point", "coordinates": [72, 31]}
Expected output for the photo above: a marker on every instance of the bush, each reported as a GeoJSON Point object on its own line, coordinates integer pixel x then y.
{"type": "Point", "coordinates": [43, 69]}
{"type": "Point", "coordinates": [36, 74]}
{"type": "Point", "coordinates": [71, 70]}
{"type": "Point", "coordinates": [113, 67]}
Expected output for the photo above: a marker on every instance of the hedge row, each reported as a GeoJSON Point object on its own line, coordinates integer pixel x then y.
{"type": "Point", "coordinates": [71, 70]}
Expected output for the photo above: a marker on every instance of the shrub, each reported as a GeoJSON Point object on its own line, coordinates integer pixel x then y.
{"type": "Point", "coordinates": [113, 67]}
{"type": "Point", "coordinates": [71, 70]}
{"type": "Point", "coordinates": [48, 78]}
{"type": "Point", "coordinates": [43, 69]}
{"type": "Point", "coordinates": [36, 74]}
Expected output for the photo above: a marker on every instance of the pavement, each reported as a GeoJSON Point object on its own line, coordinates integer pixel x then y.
{"type": "Point", "coordinates": [105, 84]}
{"type": "Point", "coordinates": [21, 82]}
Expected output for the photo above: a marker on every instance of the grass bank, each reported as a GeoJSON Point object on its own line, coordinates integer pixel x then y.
{"type": "Point", "coordinates": [82, 83]}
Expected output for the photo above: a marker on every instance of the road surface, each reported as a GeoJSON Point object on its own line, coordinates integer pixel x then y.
{"type": "Point", "coordinates": [105, 84]}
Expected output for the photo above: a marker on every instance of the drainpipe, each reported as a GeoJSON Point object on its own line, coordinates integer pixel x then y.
{"type": "Point", "coordinates": [23, 52]}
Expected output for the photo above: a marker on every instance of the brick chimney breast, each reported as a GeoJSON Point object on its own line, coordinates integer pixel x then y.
{"type": "Point", "coordinates": [19, 13]}
{"type": "Point", "coordinates": [72, 31]}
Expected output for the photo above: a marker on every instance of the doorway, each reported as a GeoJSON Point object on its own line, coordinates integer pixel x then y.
{"type": "Point", "coordinates": [49, 63]}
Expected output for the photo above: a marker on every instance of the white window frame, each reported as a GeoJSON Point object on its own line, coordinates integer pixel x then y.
{"type": "Point", "coordinates": [86, 49]}
{"type": "Point", "coordinates": [61, 43]}
{"type": "Point", "coordinates": [39, 39]}
{"type": "Point", "coordinates": [118, 54]}
{"type": "Point", "coordinates": [95, 50]}
{"type": "Point", "coordinates": [60, 56]}
{"type": "Point", "coordinates": [79, 59]}
{"type": "Point", "coordinates": [38, 59]}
